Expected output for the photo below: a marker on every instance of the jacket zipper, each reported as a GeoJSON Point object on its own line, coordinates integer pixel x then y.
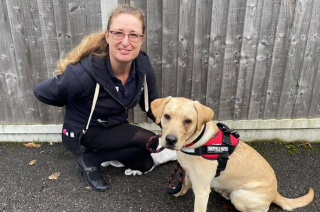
{"type": "Point", "coordinates": [136, 97]}
{"type": "Point", "coordinates": [125, 108]}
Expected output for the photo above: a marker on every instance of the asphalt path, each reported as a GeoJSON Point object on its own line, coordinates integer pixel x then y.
{"type": "Point", "coordinates": [27, 188]}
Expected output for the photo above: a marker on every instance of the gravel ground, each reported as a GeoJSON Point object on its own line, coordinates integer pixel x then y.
{"type": "Point", "coordinates": [27, 188]}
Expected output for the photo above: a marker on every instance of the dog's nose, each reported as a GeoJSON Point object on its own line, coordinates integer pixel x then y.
{"type": "Point", "coordinates": [171, 139]}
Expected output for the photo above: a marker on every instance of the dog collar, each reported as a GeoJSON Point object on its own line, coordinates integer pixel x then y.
{"type": "Point", "coordinates": [198, 138]}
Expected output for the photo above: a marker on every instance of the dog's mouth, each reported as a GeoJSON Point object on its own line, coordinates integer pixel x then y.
{"type": "Point", "coordinates": [170, 147]}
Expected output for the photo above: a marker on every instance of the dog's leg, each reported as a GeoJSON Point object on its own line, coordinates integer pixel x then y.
{"type": "Point", "coordinates": [201, 193]}
{"type": "Point", "coordinates": [185, 186]}
{"type": "Point", "coordinates": [201, 187]}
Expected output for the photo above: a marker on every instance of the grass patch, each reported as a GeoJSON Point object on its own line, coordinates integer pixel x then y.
{"type": "Point", "coordinates": [265, 148]}
{"type": "Point", "coordinates": [292, 149]}
{"type": "Point", "coordinates": [298, 147]}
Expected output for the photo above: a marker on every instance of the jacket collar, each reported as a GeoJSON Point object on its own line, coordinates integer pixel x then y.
{"type": "Point", "coordinates": [98, 69]}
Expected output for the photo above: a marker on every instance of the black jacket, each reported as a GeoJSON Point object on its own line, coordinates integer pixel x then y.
{"type": "Point", "coordinates": [75, 89]}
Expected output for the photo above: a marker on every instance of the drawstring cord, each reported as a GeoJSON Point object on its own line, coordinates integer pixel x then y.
{"type": "Point", "coordinates": [171, 189]}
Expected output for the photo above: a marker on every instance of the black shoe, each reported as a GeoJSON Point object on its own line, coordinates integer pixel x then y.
{"type": "Point", "coordinates": [100, 184]}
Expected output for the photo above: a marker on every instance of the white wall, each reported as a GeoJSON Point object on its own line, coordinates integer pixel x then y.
{"type": "Point", "coordinates": [303, 130]}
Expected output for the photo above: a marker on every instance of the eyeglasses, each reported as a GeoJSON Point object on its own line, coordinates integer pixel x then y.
{"type": "Point", "coordinates": [133, 37]}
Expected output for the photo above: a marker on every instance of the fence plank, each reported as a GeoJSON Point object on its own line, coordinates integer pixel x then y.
{"type": "Point", "coordinates": [248, 58]}
{"type": "Point", "coordinates": [216, 53]}
{"type": "Point", "coordinates": [77, 21]}
{"type": "Point", "coordinates": [23, 91]}
{"type": "Point", "coordinates": [51, 48]}
{"type": "Point", "coordinates": [315, 99]}
{"type": "Point", "coordinates": [295, 56]}
{"type": "Point", "coordinates": [123, 1]}
{"type": "Point", "coordinates": [138, 115]}
{"type": "Point", "coordinates": [7, 67]}
{"type": "Point", "coordinates": [154, 37]}
{"type": "Point", "coordinates": [169, 47]}
{"type": "Point", "coordinates": [264, 56]}
{"type": "Point", "coordinates": [141, 4]}
{"type": "Point", "coordinates": [106, 7]}
{"type": "Point", "coordinates": [185, 47]}
{"type": "Point", "coordinates": [15, 79]}
{"type": "Point", "coordinates": [309, 66]}
{"type": "Point", "coordinates": [278, 63]}
{"type": "Point", "coordinates": [63, 30]}
{"type": "Point", "coordinates": [36, 58]}
{"type": "Point", "coordinates": [201, 50]}
{"type": "Point", "coordinates": [93, 16]}
{"type": "Point", "coordinates": [236, 13]}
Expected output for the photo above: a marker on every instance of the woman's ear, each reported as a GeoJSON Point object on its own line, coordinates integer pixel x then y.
{"type": "Point", "coordinates": [143, 39]}
{"type": "Point", "coordinates": [106, 35]}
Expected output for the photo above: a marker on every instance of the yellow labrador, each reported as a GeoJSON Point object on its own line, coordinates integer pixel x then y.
{"type": "Point", "coordinates": [248, 180]}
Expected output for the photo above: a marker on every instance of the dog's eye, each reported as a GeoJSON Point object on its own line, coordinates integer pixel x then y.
{"type": "Point", "coordinates": [187, 121]}
{"type": "Point", "coordinates": [167, 116]}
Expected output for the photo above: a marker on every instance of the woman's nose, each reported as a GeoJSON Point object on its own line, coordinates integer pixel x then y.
{"type": "Point", "coordinates": [125, 40]}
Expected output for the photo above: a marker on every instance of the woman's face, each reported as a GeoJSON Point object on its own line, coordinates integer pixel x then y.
{"type": "Point", "coordinates": [124, 51]}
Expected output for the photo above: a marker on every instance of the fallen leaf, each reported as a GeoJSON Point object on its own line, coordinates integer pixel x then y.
{"type": "Point", "coordinates": [308, 144]}
{"type": "Point", "coordinates": [54, 176]}
{"type": "Point", "coordinates": [31, 163]}
{"type": "Point", "coordinates": [88, 187]}
{"type": "Point", "coordinates": [32, 145]}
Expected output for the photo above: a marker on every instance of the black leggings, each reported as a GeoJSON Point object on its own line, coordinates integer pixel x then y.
{"type": "Point", "coordinates": [124, 142]}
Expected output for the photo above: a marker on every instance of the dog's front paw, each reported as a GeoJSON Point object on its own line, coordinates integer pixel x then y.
{"type": "Point", "coordinates": [180, 193]}
{"type": "Point", "coordinates": [185, 188]}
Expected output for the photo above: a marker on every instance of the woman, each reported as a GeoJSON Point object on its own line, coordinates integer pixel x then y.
{"type": "Point", "coordinates": [113, 59]}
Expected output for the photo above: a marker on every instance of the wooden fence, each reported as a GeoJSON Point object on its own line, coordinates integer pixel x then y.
{"type": "Point", "coordinates": [246, 59]}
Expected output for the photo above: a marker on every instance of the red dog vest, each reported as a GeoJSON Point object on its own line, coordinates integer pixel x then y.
{"type": "Point", "coordinates": [217, 148]}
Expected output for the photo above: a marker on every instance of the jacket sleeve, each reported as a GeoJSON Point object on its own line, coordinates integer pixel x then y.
{"type": "Point", "coordinates": [152, 91]}
{"type": "Point", "coordinates": [57, 90]}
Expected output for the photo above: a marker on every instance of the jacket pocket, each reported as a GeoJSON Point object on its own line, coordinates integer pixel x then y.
{"type": "Point", "coordinates": [71, 138]}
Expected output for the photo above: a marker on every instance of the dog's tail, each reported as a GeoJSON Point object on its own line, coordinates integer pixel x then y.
{"type": "Point", "coordinates": [290, 204]}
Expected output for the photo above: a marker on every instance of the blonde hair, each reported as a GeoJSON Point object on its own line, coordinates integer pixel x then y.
{"type": "Point", "coordinates": [96, 43]}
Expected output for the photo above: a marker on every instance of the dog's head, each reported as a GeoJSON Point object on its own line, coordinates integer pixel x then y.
{"type": "Point", "coordinates": [180, 119]}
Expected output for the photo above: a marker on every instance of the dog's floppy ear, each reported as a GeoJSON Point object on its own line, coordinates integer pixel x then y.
{"type": "Point", "coordinates": [205, 114]}
{"type": "Point", "coordinates": [157, 107]}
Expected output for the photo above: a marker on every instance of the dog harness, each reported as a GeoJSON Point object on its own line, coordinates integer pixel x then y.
{"type": "Point", "coordinates": [219, 148]}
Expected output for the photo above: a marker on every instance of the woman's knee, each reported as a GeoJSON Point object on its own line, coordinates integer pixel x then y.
{"type": "Point", "coordinates": [141, 138]}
